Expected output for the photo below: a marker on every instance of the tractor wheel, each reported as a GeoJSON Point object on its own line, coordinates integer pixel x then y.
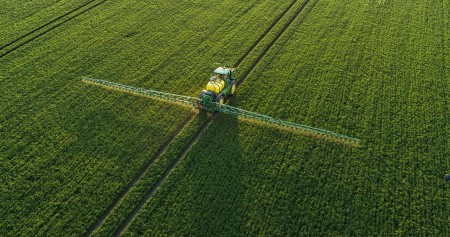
{"type": "Point", "coordinates": [220, 99]}
{"type": "Point", "coordinates": [233, 88]}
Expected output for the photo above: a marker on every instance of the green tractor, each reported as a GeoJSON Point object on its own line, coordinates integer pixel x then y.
{"type": "Point", "coordinates": [221, 86]}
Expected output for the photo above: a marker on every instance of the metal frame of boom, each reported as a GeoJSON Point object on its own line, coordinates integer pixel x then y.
{"type": "Point", "coordinates": [216, 107]}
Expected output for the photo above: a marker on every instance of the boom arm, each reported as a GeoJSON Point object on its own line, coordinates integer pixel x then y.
{"type": "Point", "coordinates": [194, 102]}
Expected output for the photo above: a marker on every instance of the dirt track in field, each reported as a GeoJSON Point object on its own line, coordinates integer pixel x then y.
{"type": "Point", "coordinates": [210, 120]}
{"type": "Point", "coordinates": [270, 28]}
{"type": "Point", "coordinates": [47, 27]}
{"type": "Point", "coordinates": [143, 171]}
{"type": "Point", "coordinates": [272, 43]}
{"type": "Point", "coordinates": [166, 173]}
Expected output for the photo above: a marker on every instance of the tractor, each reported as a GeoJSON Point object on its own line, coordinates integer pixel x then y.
{"type": "Point", "coordinates": [221, 86]}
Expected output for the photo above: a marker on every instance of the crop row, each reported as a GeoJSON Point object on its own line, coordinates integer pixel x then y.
{"type": "Point", "coordinates": [137, 195]}
{"type": "Point", "coordinates": [133, 202]}
{"type": "Point", "coordinates": [68, 150]}
{"type": "Point", "coordinates": [44, 29]}
{"type": "Point", "coordinates": [375, 70]}
{"type": "Point", "coordinates": [21, 17]}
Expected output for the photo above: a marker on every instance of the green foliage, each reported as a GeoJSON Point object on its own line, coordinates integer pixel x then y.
{"type": "Point", "coordinates": [68, 150]}
{"type": "Point", "coordinates": [137, 194]}
{"type": "Point", "coordinates": [20, 17]}
{"type": "Point", "coordinates": [377, 70]}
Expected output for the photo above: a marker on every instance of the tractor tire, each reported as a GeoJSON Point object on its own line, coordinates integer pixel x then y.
{"type": "Point", "coordinates": [233, 88]}
{"type": "Point", "coordinates": [220, 99]}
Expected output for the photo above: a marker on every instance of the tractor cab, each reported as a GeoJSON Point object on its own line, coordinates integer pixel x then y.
{"type": "Point", "coordinates": [224, 73]}
{"type": "Point", "coordinates": [220, 86]}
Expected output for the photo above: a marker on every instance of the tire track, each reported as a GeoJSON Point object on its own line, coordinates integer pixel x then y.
{"type": "Point", "coordinates": [207, 123]}
{"type": "Point", "coordinates": [47, 27]}
{"type": "Point", "coordinates": [174, 135]}
{"type": "Point", "coordinates": [272, 43]}
{"type": "Point", "coordinates": [166, 173]}
{"type": "Point", "coordinates": [147, 166]}
{"type": "Point", "coordinates": [46, 24]}
{"type": "Point", "coordinates": [270, 28]}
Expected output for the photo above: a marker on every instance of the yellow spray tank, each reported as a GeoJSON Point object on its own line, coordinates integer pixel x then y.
{"type": "Point", "coordinates": [215, 85]}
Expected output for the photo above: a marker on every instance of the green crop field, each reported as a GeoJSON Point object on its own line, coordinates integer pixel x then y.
{"type": "Point", "coordinates": [81, 160]}
{"type": "Point", "coordinates": [20, 17]}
